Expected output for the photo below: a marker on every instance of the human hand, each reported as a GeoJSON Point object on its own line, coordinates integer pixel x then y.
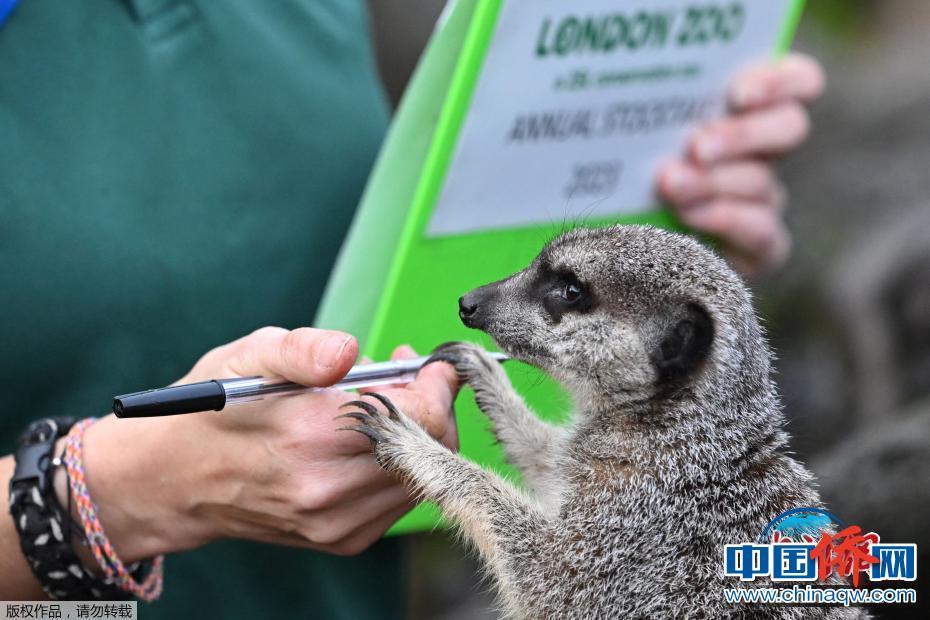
{"type": "Point", "coordinates": [274, 470]}
{"type": "Point", "coordinates": [726, 186]}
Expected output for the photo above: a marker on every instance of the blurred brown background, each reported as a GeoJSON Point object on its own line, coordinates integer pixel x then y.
{"type": "Point", "coordinates": [849, 316]}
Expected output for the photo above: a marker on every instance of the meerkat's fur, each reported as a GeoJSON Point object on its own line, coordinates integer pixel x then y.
{"type": "Point", "coordinates": [676, 447]}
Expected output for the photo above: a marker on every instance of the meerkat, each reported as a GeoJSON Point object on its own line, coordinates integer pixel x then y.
{"type": "Point", "coordinates": [675, 448]}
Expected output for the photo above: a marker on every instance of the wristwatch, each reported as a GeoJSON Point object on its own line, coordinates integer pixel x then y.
{"type": "Point", "coordinates": [46, 530]}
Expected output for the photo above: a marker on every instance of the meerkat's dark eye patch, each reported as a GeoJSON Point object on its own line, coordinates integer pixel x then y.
{"type": "Point", "coordinates": [684, 345]}
{"type": "Point", "coordinates": [560, 292]}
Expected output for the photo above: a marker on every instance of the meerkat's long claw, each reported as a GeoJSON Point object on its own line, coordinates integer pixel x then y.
{"type": "Point", "coordinates": [373, 435]}
{"type": "Point", "coordinates": [355, 415]}
{"type": "Point", "coordinates": [384, 400]}
{"type": "Point", "coordinates": [448, 345]}
{"type": "Point", "coordinates": [361, 404]}
{"type": "Point", "coordinates": [444, 353]}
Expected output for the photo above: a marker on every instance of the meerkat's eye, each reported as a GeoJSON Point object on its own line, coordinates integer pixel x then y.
{"type": "Point", "coordinates": [560, 291]}
{"type": "Point", "coordinates": [571, 292]}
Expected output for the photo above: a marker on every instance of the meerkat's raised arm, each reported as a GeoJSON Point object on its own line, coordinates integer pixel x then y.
{"type": "Point", "coordinates": [530, 444]}
{"type": "Point", "coordinates": [500, 521]}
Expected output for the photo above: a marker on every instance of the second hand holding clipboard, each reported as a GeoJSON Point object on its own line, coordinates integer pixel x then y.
{"type": "Point", "coordinates": [216, 394]}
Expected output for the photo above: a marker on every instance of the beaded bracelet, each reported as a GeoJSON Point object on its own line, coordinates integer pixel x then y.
{"type": "Point", "coordinates": [150, 587]}
{"type": "Point", "coordinates": [47, 533]}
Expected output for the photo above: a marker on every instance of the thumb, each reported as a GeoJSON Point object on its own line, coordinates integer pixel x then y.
{"type": "Point", "coordinates": [311, 357]}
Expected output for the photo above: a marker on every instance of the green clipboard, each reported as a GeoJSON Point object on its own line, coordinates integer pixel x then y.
{"type": "Point", "coordinates": [394, 283]}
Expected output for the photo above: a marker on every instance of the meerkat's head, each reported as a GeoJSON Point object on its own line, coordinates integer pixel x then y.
{"type": "Point", "coordinates": [627, 311]}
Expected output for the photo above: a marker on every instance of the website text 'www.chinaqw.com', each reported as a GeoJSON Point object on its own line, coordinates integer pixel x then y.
{"type": "Point", "coordinates": [809, 595]}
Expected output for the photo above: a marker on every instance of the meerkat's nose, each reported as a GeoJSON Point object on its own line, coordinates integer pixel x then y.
{"type": "Point", "coordinates": [474, 305]}
{"type": "Point", "coordinates": [467, 307]}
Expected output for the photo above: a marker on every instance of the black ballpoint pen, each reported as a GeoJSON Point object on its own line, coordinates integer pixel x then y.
{"type": "Point", "coordinates": [216, 394]}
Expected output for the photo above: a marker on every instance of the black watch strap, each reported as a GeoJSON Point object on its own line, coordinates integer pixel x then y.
{"type": "Point", "coordinates": [45, 528]}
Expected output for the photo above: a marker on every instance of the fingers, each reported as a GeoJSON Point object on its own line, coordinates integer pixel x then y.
{"type": "Point", "coordinates": [347, 480]}
{"type": "Point", "coordinates": [764, 132]}
{"type": "Point", "coordinates": [768, 117]}
{"type": "Point", "coordinates": [755, 238]}
{"type": "Point", "coordinates": [403, 352]}
{"type": "Point", "coordinates": [682, 183]}
{"type": "Point", "coordinates": [723, 189]}
{"type": "Point", "coordinates": [369, 534]}
{"type": "Point", "coordinates": [428, 401]}
{"type": "Point", "coordinates": [347, 528]}
{"type": "Point", "coordinates": [739, 203]}
{"type": "Point", "coordinates": [311, 357]}
{"type": "Point", "coordinates": [357, 526]}
{"type": "Point", "coordinates": [794, 77]}
{"type": "Point", "coordinates": [436, 386]}
{"type": "Point", "coordinates": [440, 379]}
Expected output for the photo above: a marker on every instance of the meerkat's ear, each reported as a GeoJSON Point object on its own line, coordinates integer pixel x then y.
{"type": "Point", "coordinates": [684, 345]}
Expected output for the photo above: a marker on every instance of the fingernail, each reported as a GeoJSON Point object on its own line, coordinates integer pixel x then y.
{"type": "Point", "coordinates": [749, 94]}
{"type": "Point", "coordinates": [710, 147]}
{"type": "Point", "coordinates": [331, 350]}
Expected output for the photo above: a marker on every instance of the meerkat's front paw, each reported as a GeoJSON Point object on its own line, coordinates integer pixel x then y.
{"type": "Point", "coordinates": [471, 362]}
{"type": "Point", "coordinates": [478, 369]}
{"type": "Point", "coordinates": [392, 435]}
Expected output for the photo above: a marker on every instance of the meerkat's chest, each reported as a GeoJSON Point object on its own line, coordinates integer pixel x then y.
{"type": "Point", "coordinates": [658, 531]}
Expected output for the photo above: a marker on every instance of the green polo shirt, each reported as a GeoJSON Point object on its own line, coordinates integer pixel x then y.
{"type": "Point", "coordinates": [173, 175]}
